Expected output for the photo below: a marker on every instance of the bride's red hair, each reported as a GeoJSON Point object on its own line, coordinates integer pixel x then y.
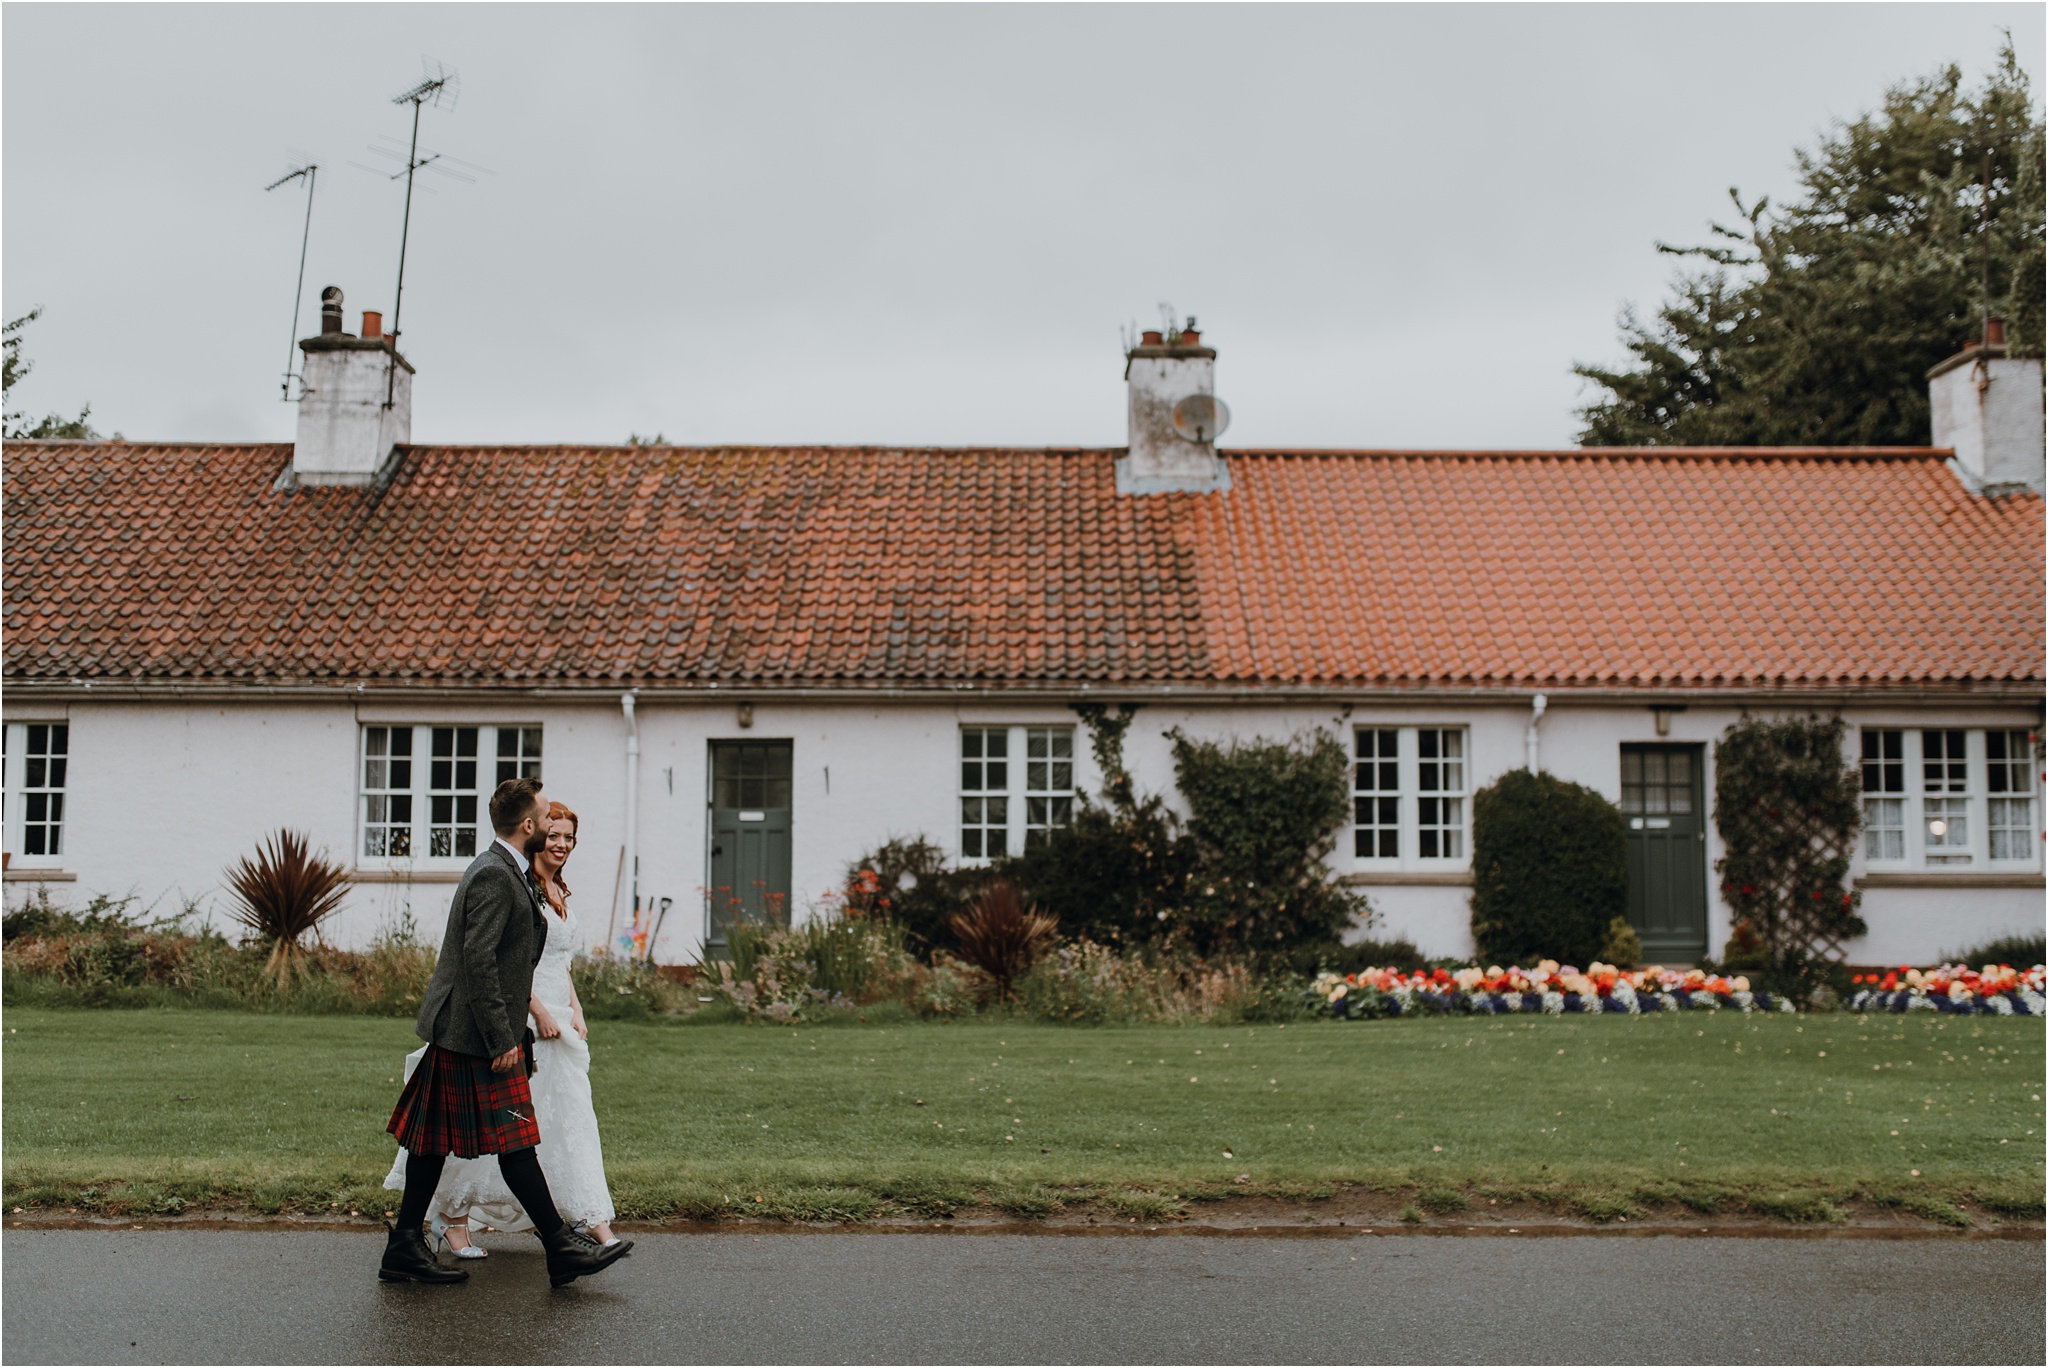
{"type": "Point", "coordinates": [559, 812]}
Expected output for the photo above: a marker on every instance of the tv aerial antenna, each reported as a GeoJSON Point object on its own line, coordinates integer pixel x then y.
{"type": "Point", "coordinates": [439, 89]}
{"type": "Point", "coordinates": [308, 173]}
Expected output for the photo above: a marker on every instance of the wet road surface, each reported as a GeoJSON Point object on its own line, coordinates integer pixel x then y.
{"type": "Point", "coordinates": [157, 1296]}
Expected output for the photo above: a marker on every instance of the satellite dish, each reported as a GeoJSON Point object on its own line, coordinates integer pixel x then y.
{"type": "Point", "coordinates": [1200, 417]}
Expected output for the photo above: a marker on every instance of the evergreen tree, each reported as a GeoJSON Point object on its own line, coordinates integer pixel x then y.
{"type": "Point", "coordinates": [1816, 322]}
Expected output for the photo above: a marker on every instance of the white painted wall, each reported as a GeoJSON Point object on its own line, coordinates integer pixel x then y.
{"type": "Point", "coordinates": [163, 797]}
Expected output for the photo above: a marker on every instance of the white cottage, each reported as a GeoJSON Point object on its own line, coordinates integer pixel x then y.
{"type": "Point", "coordinates": [745, 666]}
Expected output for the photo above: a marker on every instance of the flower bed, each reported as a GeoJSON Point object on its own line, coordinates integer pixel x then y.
{"type": "Point", "coordinates": [1549, 988]}
{"type": "Point", "coordinates": [1994, 990]}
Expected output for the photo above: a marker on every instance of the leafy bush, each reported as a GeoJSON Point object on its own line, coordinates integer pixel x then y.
{"type": "Point", "coordinates": [615, 988]}
{"type": "Point", "coordinates": [1263, 818]}
{"type": "Point", "coordinates": [283, 895]}
{"type": "Point", "coordinates": [1372, 954]}
{"type": "Point", "coordinates": [826, 964]}
{"type": "Point", "coordinates": [906, 881]}
{"type": "Point", "coordinates": [1623, 948]}
{"type": "Point", "coordinates": [2022, 951]}
{"type": "Point", "coordinates": [1001, 939]}
{"type": "Point", "coordinates": [1117, 874]}
{"type": "Point", "coordinates": [105, 957]}
{"type": "Point", "coordinates": [1549, 869]}
{"type": "Point", "coordinates": [1789, 809]}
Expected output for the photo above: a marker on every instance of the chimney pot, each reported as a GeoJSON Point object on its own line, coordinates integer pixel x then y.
{"type": "Point", "coordinates": [330, 309]}
{"type": "Point", "coordinates": [1994, 332]}
{"type": "Point", "coordinates": [1152, 338]}
{"type": "Point", "coordinates": [373, 323]}
{"type": "Point", "coordinates": [1190, 338]}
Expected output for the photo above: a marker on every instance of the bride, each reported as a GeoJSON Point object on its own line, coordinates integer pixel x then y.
{"type": "Point", "coordinates": [570, 1153]}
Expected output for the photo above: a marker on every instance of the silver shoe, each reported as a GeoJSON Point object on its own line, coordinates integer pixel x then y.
{"type": "Point", "coordinates": [472, 1250]}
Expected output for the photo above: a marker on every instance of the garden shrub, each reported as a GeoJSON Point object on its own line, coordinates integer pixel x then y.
{"type": "Point", "coordinates": [1263, 818]}
{"type": "Point", "coordinates": [1371, 954]}
{"type": "Point", "coordinates": [1117, 874]}
{"type": "Point", "coordinates": [907, 881]}
{"type": "Point", "coordinates": [1789, 808]}
{"type": "Point", "coordinates": [2020, 951]}
{"type": "Point", "coordinates": [1002, 939]}
{"type": "Point", "coordinates": [1119, 871]}
{"type": "Point", "coordinates": [282, 896]}
{"type": "Point", "coordinates": [1623, 948]}
{"type": "Point", "coordinates": [1549, 870]}
{"type": "Point", "coordinates": [826, 964]}
{"type": "Point", "coordinates": [105, 956]}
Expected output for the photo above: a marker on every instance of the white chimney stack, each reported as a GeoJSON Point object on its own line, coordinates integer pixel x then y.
{"type": "Point", "coordinates": [356, 404]}
{"type": "Point", "coordinates": [1174, 416]}
{"type": "Point", "coordinates": [1986, 404]}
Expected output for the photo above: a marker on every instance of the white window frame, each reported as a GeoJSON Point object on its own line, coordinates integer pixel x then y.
{"type": "Point", "coordinates": [1907, 828]}
{"type": "Point", "coordinates": [1949, 791]}
{"type": "Point", "coordinates": [2028, 767]}
{"type": "Point", "coordinates": [16, 781]}
{"type": "Point", "coordinates": [1409, 796]}
{"type": "Point", "coordinates": [1018, 787]}
{"type": "Point", "coordinates": [1974, 798]}
{"type": "Point", "coordinates": [524, 740]}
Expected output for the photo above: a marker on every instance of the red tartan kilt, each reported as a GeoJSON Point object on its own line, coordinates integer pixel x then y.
{"type": "Point", "coordinates": [454, 1104]}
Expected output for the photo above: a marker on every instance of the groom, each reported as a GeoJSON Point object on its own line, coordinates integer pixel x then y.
{"type": "Point", "coordinates": [469, 1094]}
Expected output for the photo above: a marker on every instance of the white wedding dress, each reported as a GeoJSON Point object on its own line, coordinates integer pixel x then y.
{"type": "Point", "coordinates": [570, 1153]}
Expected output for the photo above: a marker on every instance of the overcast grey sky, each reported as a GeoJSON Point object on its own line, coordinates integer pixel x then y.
{"type": "Point", "coordinates": [1399, 225]}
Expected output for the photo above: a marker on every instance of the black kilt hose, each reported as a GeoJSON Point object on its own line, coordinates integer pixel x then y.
{"type": "Point", "coordinates": [454, 1104]}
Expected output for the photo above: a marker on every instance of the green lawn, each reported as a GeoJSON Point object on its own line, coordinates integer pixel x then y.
{"type": "Point", "coordinates": [151, 1110]}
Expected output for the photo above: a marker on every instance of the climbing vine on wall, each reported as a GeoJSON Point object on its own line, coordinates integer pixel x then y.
{"type": "Point", "coordinates": [1789, 810]}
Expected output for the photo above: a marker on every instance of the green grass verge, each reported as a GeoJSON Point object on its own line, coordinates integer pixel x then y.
{"type": "Point", "coordinates": [1603, 1117]}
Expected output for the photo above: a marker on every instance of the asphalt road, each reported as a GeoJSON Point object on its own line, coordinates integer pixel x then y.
{"type": "Point", "coordinates": [158, 1296]}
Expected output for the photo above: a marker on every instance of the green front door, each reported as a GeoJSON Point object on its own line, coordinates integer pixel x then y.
{"type": "Point", "coordinates": [750, 836]}
{"type": "Point", "coordinates": [1663, 800]}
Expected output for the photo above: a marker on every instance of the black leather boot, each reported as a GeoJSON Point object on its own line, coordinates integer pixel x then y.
{"type": "Point", "coordinates": [572, 1255]}
{"type": "Point", "coordinates": [407, 1259]}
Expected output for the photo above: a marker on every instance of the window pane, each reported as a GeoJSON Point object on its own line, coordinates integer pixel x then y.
{"type": "Point", "coordinates": [43, 787]}
{"type": "Point", "coordinates": [984, 783]}
{"type": "Point", "coordinates": [519, 754]}
{"type": "Point", "coordinates": [2010, 761]}
{"type": "Point", "coordinates": [1375, 782]}
{"type": "Point", "coordinates": [1884, 769]}
{"type": "Point", "coordinates": [2012, 828]}
{"type": "Point", "coordinates": [1440, 819]}
{"type": "Point", "coordinates": [1946, 828]}
{"type": "Point", "coordinates": [1884, 829]}
{"type": "Point", "coordinates": [1051, 777]}
{"type": "Point", "coordinates": [387, 797]}
{"type": "Point", "coordinates": [1943, 764]}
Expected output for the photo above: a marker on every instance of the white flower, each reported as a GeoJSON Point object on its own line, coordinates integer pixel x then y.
{"type": "Point", "coordinates": [1553, 1004]}
{"type": "Point", "coordinates": [2001, 1005]}
{"type": "Point", "coordinates": [1744, 1000]}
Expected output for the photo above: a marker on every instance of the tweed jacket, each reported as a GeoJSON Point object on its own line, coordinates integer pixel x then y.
{"type": "Point", "coordinates": [475, 1003]}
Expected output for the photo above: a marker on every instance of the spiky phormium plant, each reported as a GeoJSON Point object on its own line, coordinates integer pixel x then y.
{"type": "Point", "coordinates": [284, 895]}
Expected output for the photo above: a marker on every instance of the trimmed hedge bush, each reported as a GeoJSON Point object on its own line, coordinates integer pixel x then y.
{"type": "Point", "coordinates": [1549, 870]}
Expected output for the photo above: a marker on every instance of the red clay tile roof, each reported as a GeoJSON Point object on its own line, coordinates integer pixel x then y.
{"type": "Point", "coordinates": [864, 566]}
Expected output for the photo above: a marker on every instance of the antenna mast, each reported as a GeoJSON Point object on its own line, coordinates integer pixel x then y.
{"type": "Point", "coordinates": [1984, 239]}
{"type": "Point", "coordinates": [309, 171]}
{"type": "Point", "coordinates": [438, 90]}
